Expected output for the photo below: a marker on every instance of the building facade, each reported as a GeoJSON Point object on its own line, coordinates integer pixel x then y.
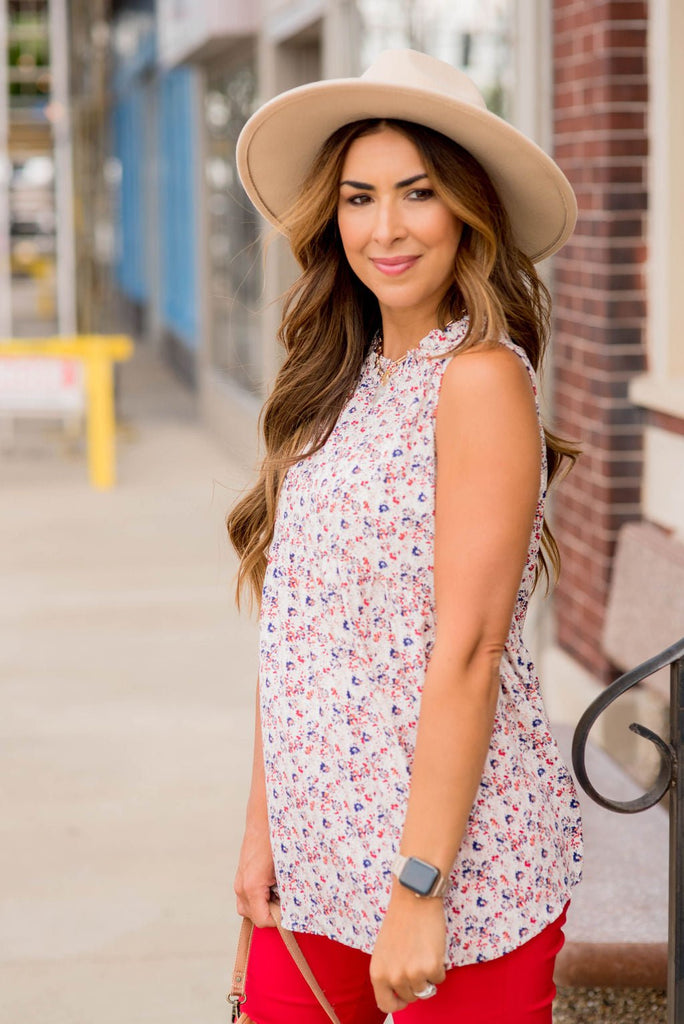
{"type": "Point", "coordinates": [618, 360]}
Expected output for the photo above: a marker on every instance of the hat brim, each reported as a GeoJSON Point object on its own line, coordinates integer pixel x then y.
{"type": "Point", "coordinates": [280, 141]}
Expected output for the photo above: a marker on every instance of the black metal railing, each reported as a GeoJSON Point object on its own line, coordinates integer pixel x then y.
{"type": "Point", "coordinates": [669, 778]}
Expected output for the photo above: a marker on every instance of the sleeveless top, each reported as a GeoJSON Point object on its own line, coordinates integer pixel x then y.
{"type": "Point", "coordinates": [347, 625]}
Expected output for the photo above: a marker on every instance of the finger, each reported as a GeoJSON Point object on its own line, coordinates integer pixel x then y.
{"type": "Point", "coordinates": [260, 906]}
{"type": "Point", "coordinates": [419, 982]}
{"type": "Point", "coordinates": [256, 907]}
{"type": "Point", "coordinates": [437, 972]}
{"type": "Point", "coordinates": [262, 917]}
{"type": "Point", "coordinates": [388, 1001]}
{"type": "Point", "coordinates": [426, 975]}
{"type": "Point", "coordinates": [404, 991]}
{"type": "Point", "coordinates": [421, 986]}
{"type": "Point", "coordinates": [391, 998]}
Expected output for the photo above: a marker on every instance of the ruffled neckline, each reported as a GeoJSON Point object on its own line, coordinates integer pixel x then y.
{"type": "Point", "coordinates": [444, 339]}
{"type": "Point", "coordinates": [439, 341]}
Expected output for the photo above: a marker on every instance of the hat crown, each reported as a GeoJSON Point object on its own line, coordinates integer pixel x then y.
{"type": "Point", "coordinates": [413, 70]}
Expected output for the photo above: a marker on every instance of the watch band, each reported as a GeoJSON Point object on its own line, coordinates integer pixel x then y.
{"type": "Point", "coordinates": [439, 887]}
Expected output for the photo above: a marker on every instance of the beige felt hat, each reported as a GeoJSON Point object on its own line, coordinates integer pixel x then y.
{"type": "Point", "coordinates": [279, 142]}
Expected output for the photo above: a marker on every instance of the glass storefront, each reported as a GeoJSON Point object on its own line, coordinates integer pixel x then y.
{"type": "Point", "coordinates": [234, 250]}
{"type": "Point", "coordinates": [31, 178]}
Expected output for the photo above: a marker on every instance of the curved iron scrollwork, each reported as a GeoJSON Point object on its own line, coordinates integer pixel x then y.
{"type": "Point", "coordinates": [668, 756]}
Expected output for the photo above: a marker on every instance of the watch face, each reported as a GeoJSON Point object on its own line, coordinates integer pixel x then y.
{"type": "Point", "coordinates": [418, 876]}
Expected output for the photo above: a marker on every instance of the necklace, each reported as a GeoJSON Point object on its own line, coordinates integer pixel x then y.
{"type": "Point", "coordinates": [387, 372]}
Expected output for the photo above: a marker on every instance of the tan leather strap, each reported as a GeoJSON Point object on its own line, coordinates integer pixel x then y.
{"type": "Point", "coordinates": [237, 988]}
{"type": "Point", "coordinates": [236, 995]}
{"type": "Point", "coordinates": [299, 958]}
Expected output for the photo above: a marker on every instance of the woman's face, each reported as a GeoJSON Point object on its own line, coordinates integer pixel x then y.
{"type": "Point", "coordinates": [399, 237]}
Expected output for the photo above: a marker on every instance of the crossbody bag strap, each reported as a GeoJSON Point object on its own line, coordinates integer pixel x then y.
{"type": "Point", "coordinates": [299, 958]}
{"type": "Point", "coordinates": [236, 996]}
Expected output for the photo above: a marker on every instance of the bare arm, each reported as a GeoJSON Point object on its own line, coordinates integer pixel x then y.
{"type": "Point", "coordinates": [488, 452]}
{"type": "Point", "coordinates": [255, 874]}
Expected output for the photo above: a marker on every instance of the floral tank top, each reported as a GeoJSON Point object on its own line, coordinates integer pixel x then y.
{"type": "Point", "coordinates": [346, 630]}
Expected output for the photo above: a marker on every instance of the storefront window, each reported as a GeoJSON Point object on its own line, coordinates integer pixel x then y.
{"type": "Point", "coordinates": [473, 35]}
{"type": "Point", "coordinates": [234, 254]}
{"type": "Point", "coordinates": [27, 193]}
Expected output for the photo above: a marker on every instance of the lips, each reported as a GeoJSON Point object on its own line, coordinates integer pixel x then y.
{"type": "Point", "coordinates": [394, 265]}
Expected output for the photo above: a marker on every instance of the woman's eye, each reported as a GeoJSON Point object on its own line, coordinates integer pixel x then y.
{"type": "Point", "coordinates": [421, 193]}
{"type": "Point", "coordinates": [358, 200]}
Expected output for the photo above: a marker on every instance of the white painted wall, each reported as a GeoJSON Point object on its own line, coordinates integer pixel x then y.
{"type": "Point", "coordinates": [666, 215]}
{"type": "Point", "coordinates": [664, 479]}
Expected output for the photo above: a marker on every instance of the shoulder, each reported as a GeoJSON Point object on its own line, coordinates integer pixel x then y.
{"type": "Point", "coordinates": [488, 378]}
{"type": "Point", "coordinates": [487, 432]}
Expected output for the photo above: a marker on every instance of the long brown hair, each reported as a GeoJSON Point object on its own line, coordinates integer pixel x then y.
{"type": "Point", "coordinates": [330, 318]}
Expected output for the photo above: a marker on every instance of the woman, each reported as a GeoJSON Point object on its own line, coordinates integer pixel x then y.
{"type": "Point", "coordinates": [407, 798]}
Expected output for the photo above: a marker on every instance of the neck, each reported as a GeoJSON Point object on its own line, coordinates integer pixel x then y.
{"type": "Point", "coordinates": [403, 331]}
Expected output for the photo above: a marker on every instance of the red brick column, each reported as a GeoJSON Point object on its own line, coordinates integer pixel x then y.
{"type": "Point", "coordinates": [600, 137]}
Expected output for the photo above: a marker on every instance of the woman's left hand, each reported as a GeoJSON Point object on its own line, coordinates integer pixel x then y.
{"type": "Point", "coordinates": [410, 950]}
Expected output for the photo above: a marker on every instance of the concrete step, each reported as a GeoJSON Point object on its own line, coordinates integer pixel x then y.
{"type": "Point", "coordinates": [616, 933]}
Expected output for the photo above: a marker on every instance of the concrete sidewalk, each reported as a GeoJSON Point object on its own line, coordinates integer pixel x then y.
{"type": "Point", "coordinates": [127, 687]}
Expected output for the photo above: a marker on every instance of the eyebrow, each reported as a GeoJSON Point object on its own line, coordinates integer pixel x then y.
{"type": "Point", "coordinates": [371, 188]}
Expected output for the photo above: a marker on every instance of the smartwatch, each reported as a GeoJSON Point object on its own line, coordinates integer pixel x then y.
{"type": "Point", "coordinates": [421, 878]}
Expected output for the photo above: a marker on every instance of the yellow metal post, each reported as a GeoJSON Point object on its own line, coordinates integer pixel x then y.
{"type": "Point", "coordinates": [101, 426]}
{"type": "Point", "coordinates": [97, 352]}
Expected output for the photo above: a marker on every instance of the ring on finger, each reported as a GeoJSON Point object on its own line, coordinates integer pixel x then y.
{"type": "Point", "coordinates": [428, 992]}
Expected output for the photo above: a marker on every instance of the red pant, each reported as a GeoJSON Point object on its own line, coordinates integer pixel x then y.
{"type": "Point", "coordinates": [513, 989]}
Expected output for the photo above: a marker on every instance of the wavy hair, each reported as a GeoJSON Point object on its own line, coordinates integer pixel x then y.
{"type": "Point", "coordinates": [330, 318]}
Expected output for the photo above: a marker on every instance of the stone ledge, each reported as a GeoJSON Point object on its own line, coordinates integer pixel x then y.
{"type": "Point", "coordinates": [612, 965]}
{"type": "Point", "coordinates": [661, 394]}
{"type": "Point", "coordinates": [645, 608]}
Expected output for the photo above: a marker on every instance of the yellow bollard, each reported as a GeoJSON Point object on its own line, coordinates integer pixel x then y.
{"type": "Point", "coordinates": [98, 353]}
{"type": "Point", "coordinates": [101, 425]}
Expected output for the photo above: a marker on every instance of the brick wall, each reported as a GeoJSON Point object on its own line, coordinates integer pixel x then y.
{"type": "Point", "coordinates": [600, 138]}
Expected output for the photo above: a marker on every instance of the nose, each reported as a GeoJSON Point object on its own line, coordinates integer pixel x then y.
{"type": "Point", "coordinates": [388, 226]}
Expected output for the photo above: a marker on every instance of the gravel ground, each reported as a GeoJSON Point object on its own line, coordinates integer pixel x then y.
{"type": "Point", "coordinates": [610, 1006]}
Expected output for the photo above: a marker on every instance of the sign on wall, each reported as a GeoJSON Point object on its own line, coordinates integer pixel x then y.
{"type": "Point", "coordinates": [41, 386]}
